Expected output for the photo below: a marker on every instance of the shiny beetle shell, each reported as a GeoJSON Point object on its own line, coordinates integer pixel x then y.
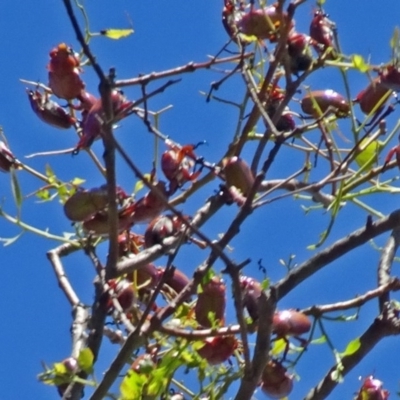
{"type": "Point", "coordinates": [371, 389]}
{"type": "Point", "coordinates": [7, 159]}
{"type": "Point", "coordinates": [238, 174]}
{"type": "Point", "coordinates": [390, 78]}
{"type": "Point", "coordinates": [218, 349]}
{"type": "Point", "coordinates": [251, 290]}
{"type": "Point", "coordinates": [321, 30]}
{"type": "Point", "coordinates": [299, 51]}
{"type": "Point", "coordinates": [64, 80]}
{"type": "Point", "coordinates": [177, 281]}
{"type": "Point", "coordinates": [290, 322]}
{"type": "Point", "coordinates": [371, 95]}
{"type": "Point", "coordinates": [325, 99]}
{"type": "Point", "coordinates": [261, 23]}
{"type": "Point", "coordinates": [276, 383]}
{"type": "Point", "coordinates": [93, 120]}
{"type": "Point", "coordinates": [124, 292]}
{"type": "Point", "coordinates": [49, 111]}
{"type": "Point", "coordinates": [211, 300]}
{"type": "Point", "coordinates": [160, 228]}
{"type": "Point", "coordinates": [85, 203]}
{"type": "Point", "coordinates": [148, 207]}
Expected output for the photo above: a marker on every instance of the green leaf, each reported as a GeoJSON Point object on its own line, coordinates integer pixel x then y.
{"type": "Point", "coordinates": [16, 190]}
{"type": "Point", "coordinates": [394, 40]}
{"type": "Point", "coordinates": [265, 284]}
{"type": "Point", "coordinates": [248, 38]}
{"type": "Point", "coordinates": [359, 63]}
{"type": "Point", "coordinates": [50, 174]}
{"type": "Point", "coordinates": [170, 362]}
{"type": "Point", "coordinates": [279, 347]}
{"type": "Point", "coordinates": [116, 34]}
{"type": "Point", "coordinates": [368, 154]}
{"type": "Point", "coordinates": [60, 369]}
{"type": "Point", "coordinates": [320, 340]}
{"type": "Point", "coordinates": [206, 278]}
{"type": "Point", "coordinates": [78, 181]}
{"type": "Point", "coordinates": [140, 184]}
{"type": "Point", "coordinates": [352, 347]}
{"type": "Point", "coordinates": [43, 194]}
{"type": "Point", "coordinates": [85, 360]}
{"type": "Point", "coordinates": [132, 385]}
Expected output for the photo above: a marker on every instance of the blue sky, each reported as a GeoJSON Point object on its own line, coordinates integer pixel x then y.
{"type": "Point", "coordinates": [36, 317]}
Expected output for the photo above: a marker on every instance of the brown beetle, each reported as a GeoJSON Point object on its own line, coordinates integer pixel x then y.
{"type": "Point", "coordinates": [318, 102]}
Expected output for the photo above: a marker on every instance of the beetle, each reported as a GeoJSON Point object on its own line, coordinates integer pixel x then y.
{"type": "Point", "coordinates": [299, 51]}
{"type": "Point", "coordinates": [318, 102]}
{"type": "Point", "coordinates": [129, 243]}
{"type": "Point", "coordinates": [230, 18]}
{"type": "Point", "coordinates": [7, 159]}
{"type": "Point", "coordinates": [160, 228]}
{"type": "Point", "coordinates": [124, 292]}
{"type": "Point", "coordinates": [394, 151]}
{"type": "Point", "coordinates": [379, 91]}
{"type": "Point", "coordinates": [64, 372]}
{"type": "Point", "coordinates": [64, 70]}
{"type": "Point", "coordinates": [218, 349]}
{"type": "Point", "coordinates": [371, 389]}
{"type": "Point", "coordinates": [148, 207]}
{"type": "Point", "coordinates": [276, 383]}
{"type": "Point", "coordinates": [86, 101]}
{"type": "Point", "coordinates": [261, 23]}
{"type": "Point", "coordinates": [49, 111]}
{"type": "Point", "coordinates": [211, 301]}
{"type": "Point", "coordinates": [238, 174]}
{"type": "Point", "coordinates": [390, 77]}
{"type": "Point", "coordinates": [177, 280]}
{"type": "Point", "coordinates": [322, 32]}
{"type": "Point", "coordinates": [290, 323]}
{"type": "Point", "coordinates": [251, 290]}
{"type": "Point", "coordinates": [286, 122]}
{"type": "Point", "coordinates": [83, 204]}
{"type": "Point", "coordinates": [178, 163]}
{"type": "Point", "coordinates": [93, 120]}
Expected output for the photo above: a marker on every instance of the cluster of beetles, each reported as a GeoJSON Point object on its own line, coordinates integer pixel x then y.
{"type": "Point", "coordinates": [87, 208]}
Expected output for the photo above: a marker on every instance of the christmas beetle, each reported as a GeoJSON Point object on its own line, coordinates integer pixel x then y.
{"type": "Point", "coordinates": [299, 51]}
{"type": "Point", "coordinates": [261, 23]}
{"type": "Point", "coordinates": [218, 349]}
{"type": "Point", "coordinates": [322, 32]}
{"type": "Point", "coordinates": [124, 292]}
{"type": "Point", "coordinates": [148, 207]}
{"type": "Point", "coordinates": [211, 301]}
{"type": "Point", "coordinates": [64, 70]}
{"type": "Point", "coordinates": [160, 228]}
{"type": "Point", "coordinates": [238, 174]}
{"type": "Point", "coordinates": [286, 122]}
{"type": "Point", "coordinates": [290, 323]}
{"type": "Point", "coordinates": [93, 120]}
{"type": "Point", "coordinates": [318, 102]}
{"type": "Point", "coordinates": [48, 110]}
{"type": "Point", "coordinates": [251, 290]}
{"type": "Point", "coordinates": [177, 164]}
{"type": "Point", "coordinates": [379, 91]}
{"type": "Point", "coordinates": [7, 159]}
{"type": "Point", "coordinates": [371, 389]}
{"type": "Point", "coordinates": [276, 383]}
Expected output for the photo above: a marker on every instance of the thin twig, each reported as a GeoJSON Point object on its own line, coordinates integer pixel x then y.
{"type": "Point", "coordinates": [189, 67]}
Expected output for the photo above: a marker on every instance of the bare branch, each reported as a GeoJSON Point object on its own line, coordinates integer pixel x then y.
{"type": "Point", "coordinates": [333, 252]}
